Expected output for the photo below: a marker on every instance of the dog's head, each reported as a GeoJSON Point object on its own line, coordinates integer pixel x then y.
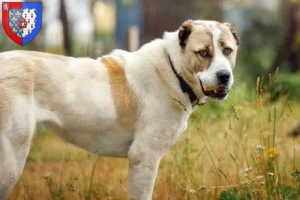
{"type": "Point", "coordinates": [208, 54]}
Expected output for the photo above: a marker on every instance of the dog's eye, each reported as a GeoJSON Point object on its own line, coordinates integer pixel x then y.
{"type": "Point", "coordinates": [203, 53]}
{"type": "Point", "coordinates": [227, 51]}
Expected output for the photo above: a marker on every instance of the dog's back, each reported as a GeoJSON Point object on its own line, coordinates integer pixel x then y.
{"type": "Point", "coordinates": [73, 94]}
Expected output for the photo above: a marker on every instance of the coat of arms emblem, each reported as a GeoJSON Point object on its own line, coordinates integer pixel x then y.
{"type": "Point", "coordinates": [22, 21]}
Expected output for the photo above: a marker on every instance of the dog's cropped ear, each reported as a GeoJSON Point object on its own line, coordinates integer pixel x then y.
{"type": "Point", "coordinates": [233, 31]}
{"type": "Point", "coordinates": [184, 32]}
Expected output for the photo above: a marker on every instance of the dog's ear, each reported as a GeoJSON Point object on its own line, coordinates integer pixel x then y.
{"type": "Point", "coordinates": [184, 32]}
{"type": "Point", "coordinates": [233, 31]}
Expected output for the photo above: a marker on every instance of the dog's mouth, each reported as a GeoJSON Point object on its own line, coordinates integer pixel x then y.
{"type": "Point", "coordinates": [214, 92]}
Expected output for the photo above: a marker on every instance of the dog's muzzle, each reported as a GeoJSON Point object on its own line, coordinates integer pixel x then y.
{"type": "Point", "coordinates": [214, 92]}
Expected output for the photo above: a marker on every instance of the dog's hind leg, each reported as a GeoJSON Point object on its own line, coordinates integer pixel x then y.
{"type": "Point", "coordinates": [17, 124]}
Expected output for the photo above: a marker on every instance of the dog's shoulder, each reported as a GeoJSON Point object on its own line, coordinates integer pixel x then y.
{"type": "Point", "coordinates": [119, 56]}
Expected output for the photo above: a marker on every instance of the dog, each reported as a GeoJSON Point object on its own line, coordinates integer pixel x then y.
{"type": "Point", "coordinates": [125, 104]}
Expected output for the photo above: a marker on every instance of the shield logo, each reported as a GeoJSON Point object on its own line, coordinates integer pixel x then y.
{"type": "Point", "coordinates": [22, 21]}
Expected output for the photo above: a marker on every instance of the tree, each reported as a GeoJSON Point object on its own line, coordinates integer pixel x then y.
{"type": "Point", "coordinates": [65, 24]}
{"type": "Point", "coordinates": [290, 51]}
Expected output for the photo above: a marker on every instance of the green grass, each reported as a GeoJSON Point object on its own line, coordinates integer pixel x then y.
{"type": "Point", "coordinates": [237, 149]}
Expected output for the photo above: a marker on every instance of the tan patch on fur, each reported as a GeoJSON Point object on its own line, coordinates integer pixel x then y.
{"type": "Point", "coordinates": [16, 75]}
{"type": "Point", "coordinates": [184, 32]}
{"type": "Point", "coordinates": [200, 39]}
{"type": "Point", "coordinates": [227, 39]}
{"type": "Point", "coordinates": [23, 74]}
{"type": "Point", "coordinates": [5, 105]}
{"type": "Point", "coordinates": [125, 100]}
{"type": "Point", "coordinates": [231, 27]}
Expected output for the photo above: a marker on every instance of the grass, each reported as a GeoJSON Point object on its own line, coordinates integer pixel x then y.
{"type": "Point", "coordinates": [233, 150]}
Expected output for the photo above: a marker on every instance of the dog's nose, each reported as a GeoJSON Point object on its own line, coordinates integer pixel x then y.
{"type": "Point", "coordinates": [223, 76]}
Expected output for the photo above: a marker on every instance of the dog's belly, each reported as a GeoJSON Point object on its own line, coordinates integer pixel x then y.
{"type": "Point", "coordinates": [110, 142]}
{"type": "Point", "coordinates": [95, 128]}
{"type": "Point", "coordinates": [92, 128]}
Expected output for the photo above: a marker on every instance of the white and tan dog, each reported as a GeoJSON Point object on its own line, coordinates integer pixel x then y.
{"type": "Point", "coordinates": [123, 104]}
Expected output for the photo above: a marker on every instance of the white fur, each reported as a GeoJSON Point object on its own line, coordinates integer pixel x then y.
{"type": "Point", "coordinates": [76, 96]}
{"type": "Point", "coordinates": [219, 61]}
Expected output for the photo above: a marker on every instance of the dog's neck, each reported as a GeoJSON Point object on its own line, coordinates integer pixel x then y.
{"type": "Point", "coordinates": [175, 54]}
{"type": "Point", "coordinates": [185, 87]}
{"type": "Point", "coordinates": [156, 53]}
{"type": "Point", "coordinates": [167, 48]}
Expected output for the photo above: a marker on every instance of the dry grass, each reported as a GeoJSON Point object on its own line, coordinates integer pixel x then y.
{"type": "Point", "coordinates": [224, 147]}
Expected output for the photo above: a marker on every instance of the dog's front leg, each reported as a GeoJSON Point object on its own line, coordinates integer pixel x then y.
{"type": "Point", "coordinates": [143, 165]}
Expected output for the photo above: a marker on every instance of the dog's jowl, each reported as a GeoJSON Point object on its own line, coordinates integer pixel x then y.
{"type": "Point", "coordinates": [123, 104]}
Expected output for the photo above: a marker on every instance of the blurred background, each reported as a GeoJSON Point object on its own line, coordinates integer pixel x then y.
{"type": "Point", "coordinates": [269, 29]}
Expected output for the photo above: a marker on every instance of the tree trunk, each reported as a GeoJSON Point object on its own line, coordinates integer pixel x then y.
{"type": "Point", "coordinates": [65, 24]}
{"type": "Point", "coordinates": [290, 50]}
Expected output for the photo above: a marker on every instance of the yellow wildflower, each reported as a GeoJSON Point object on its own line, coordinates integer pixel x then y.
{"type": "Point", "coordinates": [273, 152]}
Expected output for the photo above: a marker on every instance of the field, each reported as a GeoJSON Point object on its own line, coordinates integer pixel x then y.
{"type": "Point", "coordinates": [237, 149]}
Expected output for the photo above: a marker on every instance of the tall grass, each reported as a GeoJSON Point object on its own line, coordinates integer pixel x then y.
{"type": "Point", "coordinates": [238, 149]}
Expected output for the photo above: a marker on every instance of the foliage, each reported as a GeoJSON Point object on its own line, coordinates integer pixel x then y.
{"type": "Point", "coordinates": [288, 85]}
{"type": "Point", "coordinates": [290, 193]}
{"type": "Point", "coordinates": [234, 149]}
{"type": "Point", "coordinates": [235, 194]}
{"type": "Point", "coordinates": [58, 191]}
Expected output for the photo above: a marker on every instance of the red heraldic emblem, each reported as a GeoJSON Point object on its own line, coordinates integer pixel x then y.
{"type": "Point", "coordinates": [22, 21]}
